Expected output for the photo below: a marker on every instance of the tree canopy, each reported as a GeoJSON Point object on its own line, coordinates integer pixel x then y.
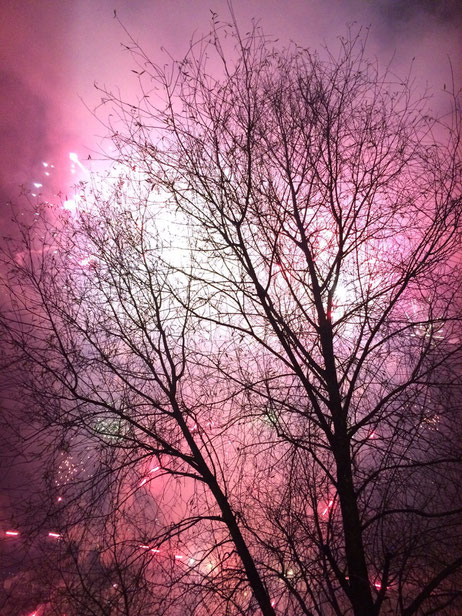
{"type": "Point", "coordinates": [247, 341]}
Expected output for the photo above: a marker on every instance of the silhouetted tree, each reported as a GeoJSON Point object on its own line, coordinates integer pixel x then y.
{"type": "Point", "coordinates": [247, 339]}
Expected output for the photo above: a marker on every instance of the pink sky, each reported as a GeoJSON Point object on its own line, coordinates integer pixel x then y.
{"type": "Point", "coordinates": [52, 52]}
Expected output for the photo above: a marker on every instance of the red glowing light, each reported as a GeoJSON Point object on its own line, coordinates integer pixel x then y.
{"type": "Point", "coordinates": [378, 585]}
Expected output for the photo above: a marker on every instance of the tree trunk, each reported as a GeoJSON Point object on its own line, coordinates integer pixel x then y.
{"type": "Point", "coordinates": [360, 588]}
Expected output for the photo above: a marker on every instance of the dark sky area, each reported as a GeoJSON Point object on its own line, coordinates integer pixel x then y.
{"type": "Point", "coordinates": [53, 51]}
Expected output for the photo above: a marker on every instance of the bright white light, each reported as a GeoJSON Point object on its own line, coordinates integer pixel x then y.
{"type": "Point", "coordinates": [70, 205]}
{"type": "Point", "coordinates": [12, 533]}
{"type": "Point", "coordinates": [75, 159]}
{"type": "Point", "coordinates": [45, 164]}
{"type": "Point", "coordinates": [329, 505]}
{"type": "Point", "coordinates": [142, 482]}
{"type": "Point", "coordinates": [38, 185]}
{"type": "Point", "coordinates": [54, 535]}
{"type": "Point", "coordinates": [192, 561]}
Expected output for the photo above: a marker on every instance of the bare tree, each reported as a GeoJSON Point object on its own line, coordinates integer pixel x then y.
{"type": "Point", "coordinates": [255, 323]}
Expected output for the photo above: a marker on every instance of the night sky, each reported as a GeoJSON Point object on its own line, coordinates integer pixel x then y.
{"type": "Point", "coordinates": [53, 52]}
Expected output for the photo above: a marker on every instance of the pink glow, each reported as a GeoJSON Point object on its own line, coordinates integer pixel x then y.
{"type": "Point", "coordinates": [54, 535]}
{"type": "Point", "coordinates": [88, 262]}
{"type": "Point", "coordinates": [378, 585]}
{"type": "Point", "coordinates": [145, 479]}
{"type": "Point", "coordinates": [60, 498]}
{"type": "Point", "coordinates": [329, 505]}
{"type": "Point", "coordinates": [75, 159]}
{"type": "Point", "coordinates": [12, 533]}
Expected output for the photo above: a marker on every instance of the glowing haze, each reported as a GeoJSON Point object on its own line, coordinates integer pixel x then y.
{"type": "Point", "coordinates": [53, 52]}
